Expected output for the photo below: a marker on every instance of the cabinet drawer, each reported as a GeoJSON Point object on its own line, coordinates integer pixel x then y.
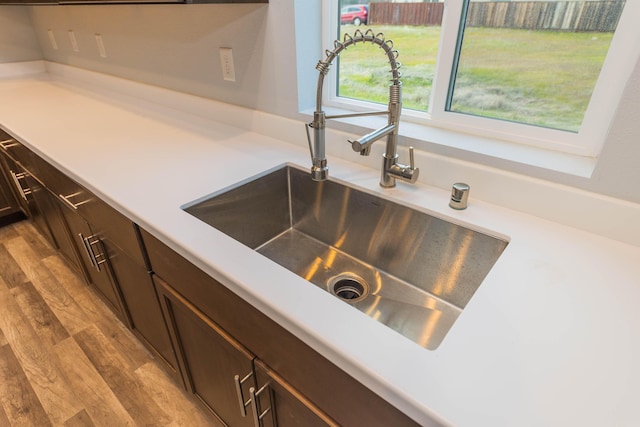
{"type": "Point", "coordinates": [71, 193]}
{"type": "Point", "coordinates": [16, 151]}
{"type": "Point", "coordinates": [333, 391]}
{"type": "Point", "coordinates": [114, 227]}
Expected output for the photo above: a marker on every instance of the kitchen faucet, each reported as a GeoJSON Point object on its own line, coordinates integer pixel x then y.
{"type": "Point", "coordinates": [391, 169]}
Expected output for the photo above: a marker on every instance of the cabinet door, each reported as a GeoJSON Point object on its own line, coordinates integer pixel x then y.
{"type": "Point", "coordinates": [276, 403]}
{"type": "Point", "coordinates": [5, 200]}
{"type": "Point", "coordinates": [25, 195]}
{"type": "Point", "coordinates": [141, 303]}
{"type": "Point", "coordinates": [50, 208]}
{"type": "Point", "coordinates": [94, 259]}
{"type": "Point", "coordinates": [216, 368]}
{"type": "Point", "coordinates": [9, 208]}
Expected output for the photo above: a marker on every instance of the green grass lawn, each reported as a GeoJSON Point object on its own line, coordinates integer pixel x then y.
{"type": "Point", "coordinates": [543, 78]}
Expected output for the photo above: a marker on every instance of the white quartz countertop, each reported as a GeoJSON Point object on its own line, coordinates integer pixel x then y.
{"type": "Point", "coordinates": [551, 338]}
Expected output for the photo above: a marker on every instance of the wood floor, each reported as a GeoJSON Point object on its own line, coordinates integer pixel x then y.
{"type": "Point", "coordinates": [65, 359]}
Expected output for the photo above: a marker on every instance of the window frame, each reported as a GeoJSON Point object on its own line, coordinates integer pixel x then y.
{"type": "Point", "coordinates": [587, 142]}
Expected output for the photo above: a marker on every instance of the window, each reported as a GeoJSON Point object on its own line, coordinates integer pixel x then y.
{"type": "Point", "coordinates": [542, 72]}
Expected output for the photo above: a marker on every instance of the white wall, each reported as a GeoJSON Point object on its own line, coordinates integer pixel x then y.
{"type": "Point", "coordinates": [17, 39]}
{"type": "Point", "coordinates": [176, 46]}
{"type": "Point", "coordinates": [618, 170]}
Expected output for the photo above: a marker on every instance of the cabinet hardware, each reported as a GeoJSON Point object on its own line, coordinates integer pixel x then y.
{"type": "Point", "coordinates": [258, 415]}
{"type": "Point", "coordinates": [86, 249]}
{"type": "Point", "coordinates": [100, 256]}
{"type": "Point", "coordinates": [96, 259]}
{"type": "Point", "coordinates": [8, 143]}
{"type": "Point", "coordinates": [67, 200]}
{"type": "Point", "coordinates": [241, 402]}
{"type": "Point", "coordinates": [16, 179]}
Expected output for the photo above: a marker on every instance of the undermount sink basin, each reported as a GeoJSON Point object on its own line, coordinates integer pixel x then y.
{"type": "Point", "coordinates": [405, 268]}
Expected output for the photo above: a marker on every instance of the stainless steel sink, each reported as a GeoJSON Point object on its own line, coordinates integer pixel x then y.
{"type": "Point", "coordinates": [405, 268]}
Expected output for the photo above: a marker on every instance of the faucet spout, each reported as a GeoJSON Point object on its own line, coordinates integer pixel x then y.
{"type": "Point", "coordinates": [390, 168]}
{"type": "Point", "coordinates": [363, 144]}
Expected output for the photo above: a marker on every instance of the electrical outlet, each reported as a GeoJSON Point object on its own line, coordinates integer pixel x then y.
{"type": "Point", "coordinates": [73, 41]}
{"type": "Point", "coordinates": [52, 39]}
{"type": "Point", "coordinates": [228, 69]}
{"type": "Point", "coordinates": [100, 43]}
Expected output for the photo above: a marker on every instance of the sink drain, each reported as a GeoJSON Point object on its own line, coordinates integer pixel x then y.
{"type": "Point", "coordinates": [349, 287]}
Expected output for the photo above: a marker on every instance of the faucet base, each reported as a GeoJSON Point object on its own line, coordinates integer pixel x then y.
{"type": "Point", "coordinates": [319, 173]}
{"type": "Point", "coordinates": [392, 170]}
{"type": "Point", "coordinates": [386, 179]}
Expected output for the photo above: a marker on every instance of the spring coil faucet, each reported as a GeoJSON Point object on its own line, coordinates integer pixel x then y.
{"type": "Point", "coordinates": [391, 169]}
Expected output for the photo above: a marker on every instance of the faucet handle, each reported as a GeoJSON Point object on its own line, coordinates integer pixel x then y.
{"type": "Point", "coordinates": [412, 163]}
{"type": "Point", "coordinates": [392, 170]}
{"type": "Point", "coordinates": [409, 173]}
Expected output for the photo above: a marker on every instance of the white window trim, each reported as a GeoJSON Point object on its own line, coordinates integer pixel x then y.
{"type": "Point", "coordinates": [522, 143]}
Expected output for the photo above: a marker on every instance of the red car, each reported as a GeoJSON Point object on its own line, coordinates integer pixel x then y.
{"type": "Point", "coordinates": [355, 14]}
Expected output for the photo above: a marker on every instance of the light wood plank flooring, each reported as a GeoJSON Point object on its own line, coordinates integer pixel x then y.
{"type": "Point", "coordinates": [65, 359]}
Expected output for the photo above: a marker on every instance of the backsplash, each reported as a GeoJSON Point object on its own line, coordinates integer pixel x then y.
{"type": "Point", "coordinates": [18, 40]}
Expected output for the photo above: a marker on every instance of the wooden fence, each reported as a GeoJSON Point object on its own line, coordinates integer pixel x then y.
{"type": "Point", "coordinates": [551, 15]}
{"type": "Point", "coordinates": [406, 13]}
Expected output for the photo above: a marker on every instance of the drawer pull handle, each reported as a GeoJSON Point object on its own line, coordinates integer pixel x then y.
{"type": "Point", "coordinates": [16, 179]}
{"type": "Point", "coordinates": [258, 415]}
{"type": "Point", "coordinates": [99, 256]}
{"type": "Point", "coordinates": [8, 143]}
{"type": "Point", "coordinates": [241, 402]}
{"type": "Point", "coordinates": [67, 200]}
{"type": "Point", "coordinates": [86, 249]}
{"type": "Point", "coordinates": [96, 259]}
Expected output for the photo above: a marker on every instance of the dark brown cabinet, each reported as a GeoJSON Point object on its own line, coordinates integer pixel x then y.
{"type": "Point", "coordinates": [58, 199]}
{"type": "Point", "coordinates": [145, 316]}
{"type": "Point", "coordinates": [94, 259]}
{"type": "Point", "coordinates": [9, 209]}
{"type": "Point", "coordinates": [110, 249]}
{"type": "Point", "coordinates": [52, 211]}
{"type": "Point", "coordinates": [239, 389]}
{"type": "Point", "coordinates": [99, 242]}
{"type": "Point", "coordinates": [24, 194]}
{"type": "Point", "coordinates": [8, 204]}
{"type": "Point", "coordinates": [213, 363]}
{"type": "Point", "coordinates": [302, 387]}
